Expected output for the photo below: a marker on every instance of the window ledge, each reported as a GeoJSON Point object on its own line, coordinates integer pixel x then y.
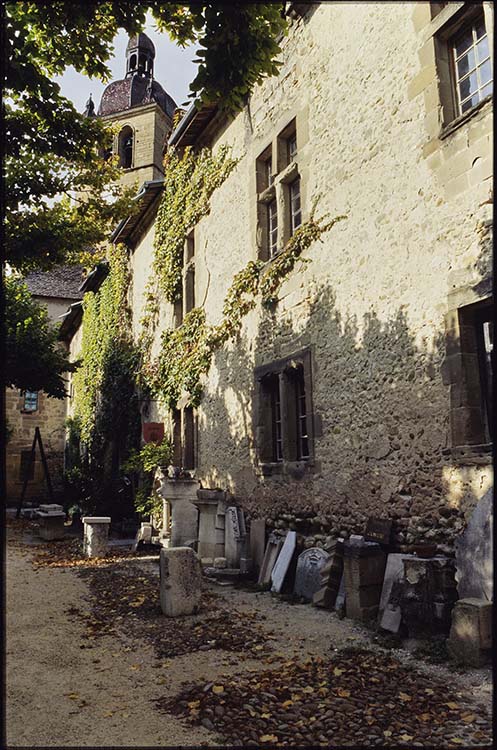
{"type": "Point", "coordinates": [289, 174]}
{"type": "Point", "coordinates": [267, 195]}
{"type": "Point", "coordinates": [293, 469]}
{"type": "Point", "coordinates": [471, 455]}
{"type": "Point", "coordinates": [459, 121]}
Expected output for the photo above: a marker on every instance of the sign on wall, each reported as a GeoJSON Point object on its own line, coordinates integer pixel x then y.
{"type": "Point", "coordinates": [153, 432]}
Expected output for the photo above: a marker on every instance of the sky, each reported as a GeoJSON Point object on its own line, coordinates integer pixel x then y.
{"type": "Point", "coordinates": [173, 68]}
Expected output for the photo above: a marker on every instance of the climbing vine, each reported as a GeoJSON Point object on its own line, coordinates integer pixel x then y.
{"type": "Point", "coordinates": [189, 181]}
{"type": "Point", "coordinates": [108, 359]}
{"type": "Point", "coordinates": [178, 373]}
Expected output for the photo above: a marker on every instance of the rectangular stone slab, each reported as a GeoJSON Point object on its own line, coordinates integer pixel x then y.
{"type": "Point", "coordinates": [180, 581]}
{"type": "Point", "coordinates": [257, 541]}
{"type": "Point", "coordinates": [96, 519]}
{"type": "Point", "coordinates": [283, 562]}
{"type": "Point", "coordinates": [270, 556]}
{"type": "Point", "coordinates": [50, 507]}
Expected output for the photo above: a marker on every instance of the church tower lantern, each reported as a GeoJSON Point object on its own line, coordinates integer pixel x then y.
{"type": "Point", "coordinates": [144, 112]}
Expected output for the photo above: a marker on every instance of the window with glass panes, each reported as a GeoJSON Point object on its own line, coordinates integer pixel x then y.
{"type": "Point", "coordinates": [295, 208]}
{"type": "Point", "coordinates": [472, 65]}
{"type": "Point", "coordinates": [292, 148]}
{"type": "Point", "coordinates": [30, 401]}
{"type": "Point", "coordinates": [485, 345]}
{"type": "Point", "coordinates": [301, 414]}
{"type": "Point", "coordinates": [269, 178]}
{"type": "Point", "coordinates": [272, 226]}
{"type": "Point", "coordinates": [276, 419]}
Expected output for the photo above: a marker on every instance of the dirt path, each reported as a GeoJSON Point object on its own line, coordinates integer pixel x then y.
{"type": "Point", "coordinates": [82, 676]}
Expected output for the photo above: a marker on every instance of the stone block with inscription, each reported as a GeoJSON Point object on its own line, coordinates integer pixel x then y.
{"type": "Point", "coordinates": [308, 574]}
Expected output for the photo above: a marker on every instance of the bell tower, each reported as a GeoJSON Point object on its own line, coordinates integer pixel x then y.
{"type": "Point", "coordinates": [143, 110]}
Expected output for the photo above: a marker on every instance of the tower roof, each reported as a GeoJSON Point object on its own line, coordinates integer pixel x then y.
{"type": "Point", "coordinates": [140, 41]}
{"type": "Point", "coordinates": [139, 86]}
{"type": "Point", "coordinates": [133, 92]}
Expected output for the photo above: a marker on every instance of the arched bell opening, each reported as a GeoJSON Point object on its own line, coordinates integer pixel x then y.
{"type": "Point", "coordinates": [126, 147]}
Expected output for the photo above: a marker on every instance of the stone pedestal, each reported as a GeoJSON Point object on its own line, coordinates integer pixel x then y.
{"type": "Point", "coordinates": [211, 506]}
{"type": "Point", "coordinates": [180, 581]}
{"type": "Point", "coordinates": [364, 568]}
{"type": "Point", "coordinates": [427, 596]}
{"type": "Point", "coordinates": [470, 640]}
{"type": "Point", "coordinates": [96, 535]}
{"type": "Point", "coordinates": [181, 495]}
{"type": "Point", "coordinates": [51, 522]}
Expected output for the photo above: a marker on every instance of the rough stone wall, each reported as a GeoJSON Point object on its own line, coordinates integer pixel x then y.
{"type": "Point", "coordinates": [372, 303]}
{"type": "Point", "coordinates": [50, 419]}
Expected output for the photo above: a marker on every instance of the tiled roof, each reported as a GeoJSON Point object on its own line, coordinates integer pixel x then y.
{"type": "Point", "coordinates": [133, 92]}
{"type": "Point", "coordinates": [62, 282]}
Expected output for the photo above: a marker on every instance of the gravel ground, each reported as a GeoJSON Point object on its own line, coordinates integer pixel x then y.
{"type": "Point", "coordinates": [92, 663]}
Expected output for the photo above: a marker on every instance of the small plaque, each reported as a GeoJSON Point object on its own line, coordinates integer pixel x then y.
{"type": "Point", "coordinates": [153, 432]}
{"type": "Point", "coordinates": [378, 530]}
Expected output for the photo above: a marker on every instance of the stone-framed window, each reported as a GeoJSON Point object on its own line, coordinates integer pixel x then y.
{"type": "Point", "coordinates": [471, 64]}
{"type": "Point", "coordinates": [283, 414]}
{"type": "Point", "coordinates": [463, 59]}
{"type": "Point", "coordinates": [469, 373]}
{"type": "Point", "coordinates": [279, 192]}
{"type": "Point", "coordinates": [183, 420]}
{"type": "Point", "coordinates": [30, 402]}
{"type": "Point", "coordinates": [184, 438]}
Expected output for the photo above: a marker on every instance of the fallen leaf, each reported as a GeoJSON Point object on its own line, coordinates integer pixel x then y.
{"type": "Point", "coordinates": [217, 689]}
{"type": "Point", "coordinates": [135, 666]}
{"type": "Point", "coordinates": [406, 737]}
{"type": "Point", "coordinates": [387, 733]}
{"type": "Point", "coordinates": [193, 704]}
{"type": "Point", "coordinates": [424, 717]}
{"type": "Point", "coordinates": [468, 718]}
{"type": "Point", "coordinates": [286, 704]}
{"type": "Point", "coordinates": [343, 693]}
{"type": "Point", "coordinates": [125, 716]}
{"type": "Point", "coordinates": [337, 672]}
{"type": "Point", "coordinates": [308, 689]}
{"type": "Point", "coordinates": [107, 714]}
{"type": "Point", "coordinates": [457, 741]}
{"type": "Point", "coordinates": [429, 691]}
{"type": "Point", "coordinates": [405, 697]}
{"type": "Point", "coordinates": [374, 679]}
{"type": "Point", "coordinates": [266, 716]}
{"type": "Point", "coordinates": [73, 696]}
{"type": "Point", "coordinates": [138, 602]}
{"type": "Point", "coordinates": [268, 738]}
{"type": "Point", "coordinates": [452, 706]}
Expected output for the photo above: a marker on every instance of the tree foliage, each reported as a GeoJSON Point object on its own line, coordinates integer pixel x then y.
{"type": "Point", "coordinates": [35, 360]}
{"type": "Point", "coordinates": [52, 151]}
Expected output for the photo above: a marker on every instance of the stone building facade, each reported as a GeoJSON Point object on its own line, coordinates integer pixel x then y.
{"type": "Point", "coordinates": [366, 389]}
{"type": "Point", "coordinates": [26, 410]}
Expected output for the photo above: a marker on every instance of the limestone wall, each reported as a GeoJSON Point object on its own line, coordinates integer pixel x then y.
{"type": "Point", "coordinates": [372, 303]}
{"type": "Point", "coordinates": [376, 304]}
{"type": "Point", "coordinates": [150, 126]}
{"type": "Point", "coordinates": [50, 419]}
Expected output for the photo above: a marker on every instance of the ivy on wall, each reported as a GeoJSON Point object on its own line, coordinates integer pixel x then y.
{"type": "Point", "coordinates": [189, 181]}
{"type": "Point", "coordinates": [179, 371]}
{"type": "Point", "coordinates": [103, 384]}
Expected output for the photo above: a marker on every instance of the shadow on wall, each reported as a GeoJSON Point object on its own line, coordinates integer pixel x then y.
{"type": "Point", "coordinates": [381, 416]}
